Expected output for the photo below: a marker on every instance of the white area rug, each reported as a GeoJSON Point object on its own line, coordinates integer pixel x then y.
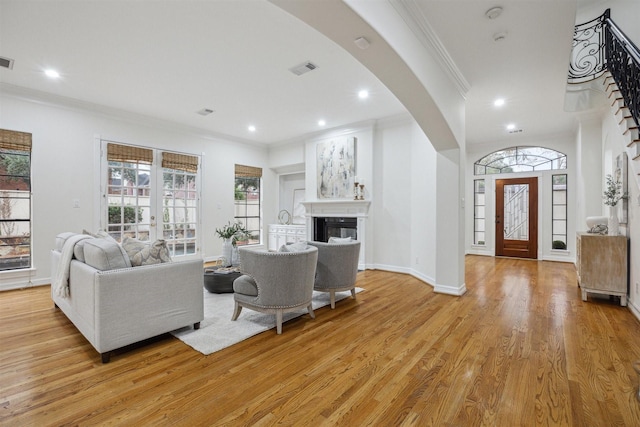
{"type": "Point", "coordinates": [217, 331]}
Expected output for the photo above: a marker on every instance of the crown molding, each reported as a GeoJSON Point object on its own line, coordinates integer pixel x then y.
{"type": "Point", "coordinates": [412, 15]}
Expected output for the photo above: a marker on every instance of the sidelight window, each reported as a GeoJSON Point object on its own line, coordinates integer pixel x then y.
{"type": "Point", "coordinates": [559, 211]}
{"type": "Point", "coordinates": [478, 212]}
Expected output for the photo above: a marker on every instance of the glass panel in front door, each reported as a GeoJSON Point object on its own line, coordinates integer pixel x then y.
{"type": "Point", "coordinates": [516, 212]}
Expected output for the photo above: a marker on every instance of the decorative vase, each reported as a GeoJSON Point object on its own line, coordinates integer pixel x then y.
{"type": "Point", "coordinates": [613, 223]}
{"type": "Point", "coordinates": [227, 252]}
{"type": "Point", "coordinates": [235, 257]}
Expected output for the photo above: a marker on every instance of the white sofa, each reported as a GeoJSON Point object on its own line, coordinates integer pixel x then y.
{"type": "Point", "coordinates": [117, 307]}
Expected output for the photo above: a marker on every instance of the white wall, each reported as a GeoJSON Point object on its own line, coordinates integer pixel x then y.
{"type": "Point", "coordinates": [613, 143]}
{"type": "Point", "coordinates": [397, 163]}
{"type": "Point", "coordinates": [393, 201]}
{"type": "Point", "coordinates": [423, 196]}
{"type": "Point", "coordinates": [64, 169]}
{"type": "Point", "coordinates": [588, 170]}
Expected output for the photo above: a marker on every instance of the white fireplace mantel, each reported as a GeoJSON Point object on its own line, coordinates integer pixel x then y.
{"type": "Point", "coordinates": [341, 208]}
{"type": "Point", "coordinates": [345, 208]}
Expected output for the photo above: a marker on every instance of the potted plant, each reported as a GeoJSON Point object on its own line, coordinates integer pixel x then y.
{"type": "Point", "coordinates": [230, 234]}
{"type": "Point", "coordinates": [612, 195]}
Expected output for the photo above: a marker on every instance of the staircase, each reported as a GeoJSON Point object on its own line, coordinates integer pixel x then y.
{"type": "Point", "coordinates": [622, 86]}
{"type": "Point", "coordinates": [614, 60]}
{"type": "Point", "coordinates": [627, 124]}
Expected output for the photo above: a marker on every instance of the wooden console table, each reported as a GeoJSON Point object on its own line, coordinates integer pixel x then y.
{"type": "Point", "coordinates": [602, 265]}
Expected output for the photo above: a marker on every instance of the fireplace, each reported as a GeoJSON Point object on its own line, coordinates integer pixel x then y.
{"type": "Point", "coordinates": [326, 227]}
{"type": "Point", "coordinates": [339, 218]}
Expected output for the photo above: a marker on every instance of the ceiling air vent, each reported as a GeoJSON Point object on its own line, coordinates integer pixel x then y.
{"type": "Point", "coordinates": [205, 111]}
{"type": "Point", "coordinates": [303, 68]}
{"type": "Point", "coordinates": [6, 62]}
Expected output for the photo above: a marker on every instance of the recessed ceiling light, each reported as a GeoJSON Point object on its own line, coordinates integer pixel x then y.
{"type": "Point", "coordinates": [52, 73]}
{"type": "Point", "coordinates": [363, 94]}
{"type": "Point", "coordinates": [252, 128]}
{"type": "Point", "coordinates": [499, 102]}
{"type": "Point", "coordinates": [321, 123]}
{"type": "Point", "coordinates": [498, 37]}
{"type": "Point", "coordinates": [494, 12]}
{"type": "Point", "coordinates": [511, 126]}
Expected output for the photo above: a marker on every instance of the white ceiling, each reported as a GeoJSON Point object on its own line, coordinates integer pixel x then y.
{"type": "Point", "coordinates": [168, 59]}
{"type": "Point", "coordinates": [528, 68]}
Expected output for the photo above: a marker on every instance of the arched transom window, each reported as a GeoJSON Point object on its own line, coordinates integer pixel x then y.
{"type": "Point", "coordinates": [520, 159]}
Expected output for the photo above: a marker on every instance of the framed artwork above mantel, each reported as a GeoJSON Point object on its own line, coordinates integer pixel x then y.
{"type": "Point", "coordinates": [336, 168]}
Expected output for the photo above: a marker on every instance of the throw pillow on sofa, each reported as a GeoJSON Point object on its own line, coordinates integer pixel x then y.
{"type": "Point", "coordinates": [146, 253]}
{"type": "Point", "coordinates": [103, 254]}
{"type": "Point", "coordinates": [78, 250]}
{"type": "Point", "coordinates": [132, 246]}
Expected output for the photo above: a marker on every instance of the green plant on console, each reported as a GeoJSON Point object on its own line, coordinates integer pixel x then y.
{"type": "Point", "coordinates": [236, 232]}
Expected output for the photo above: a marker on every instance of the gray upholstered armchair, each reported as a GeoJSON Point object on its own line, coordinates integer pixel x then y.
{"type": "Point", "coordinates": [337, 268]}
{"type": "Point", "coordinates": [275, 282]}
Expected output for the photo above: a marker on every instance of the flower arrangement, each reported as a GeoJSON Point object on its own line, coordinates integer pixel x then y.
{"type": "Point", "coordinates": [613, 194]}
{"type": "Point", "coordinates": [235, 232]}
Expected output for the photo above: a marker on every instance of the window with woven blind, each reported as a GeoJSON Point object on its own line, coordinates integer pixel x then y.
{"type": "Point", "coordinates": [15, 199]}
{"type": "Point", "coordinates": [247, 200]}
{"type": "Point", "coordinates": [152, 194]}
{"type": "Point", "coordinates": [180, 202]}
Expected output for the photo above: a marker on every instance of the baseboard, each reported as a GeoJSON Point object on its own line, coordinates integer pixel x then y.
{"type": "Point", "coordinates": [450, 290]}
{"type": "Point", "coordinates": [442, 289]}
{"type": "Point", "coordinates": [560, 256]}
{"type": "Point", "coordinates": [20, 279]}
{"type": "Point", "coordinates": [23, 285]}
{"type": "Point", "coordinates": [391, 268]}
{"type": "Point", "coordinates": [479, 251]}
{"type": "Point", "coordinates": [634, 309]}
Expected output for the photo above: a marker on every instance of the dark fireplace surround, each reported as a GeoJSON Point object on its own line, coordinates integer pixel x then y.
{"type": "Point", "coordinates": [326, 227]}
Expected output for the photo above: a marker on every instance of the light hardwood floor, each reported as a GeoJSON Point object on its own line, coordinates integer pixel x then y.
{"type": "Point", "coordinates": [518, 349]}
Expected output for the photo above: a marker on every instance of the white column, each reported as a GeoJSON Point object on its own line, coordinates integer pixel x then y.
{"type": "Point", "coordinates": [449, 231]}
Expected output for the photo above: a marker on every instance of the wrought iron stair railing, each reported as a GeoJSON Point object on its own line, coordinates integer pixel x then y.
{"type": "Point", "coordinates": [623, 62]}
{"type": "Point", "coordinates": [600, 46]}
{"type": "Point", "coordinates": [588, 60]}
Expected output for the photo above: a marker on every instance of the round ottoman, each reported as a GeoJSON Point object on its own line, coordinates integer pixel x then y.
{"type": "Point", "coordinates": [219, 283]}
